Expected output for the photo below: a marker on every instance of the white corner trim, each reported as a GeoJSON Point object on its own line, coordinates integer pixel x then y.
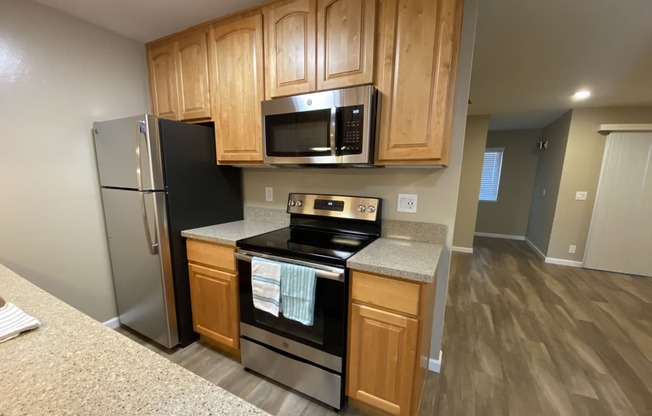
{"type": "Point", "coordinates": [435, 365]}
{"type": "Point", "coordinates": [564, 262]}
{"type": "Point", "coordinates": [535, 248]}
{"type": "Point", "coordinates": [112, 323]}
{"type": "Point", "coordinates": [462, 249]}
{"type": "Point", "coordinates": [505, 236]}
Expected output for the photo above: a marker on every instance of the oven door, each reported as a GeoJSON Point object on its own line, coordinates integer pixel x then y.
{"type": "Point", "coordinates": [324, 341]}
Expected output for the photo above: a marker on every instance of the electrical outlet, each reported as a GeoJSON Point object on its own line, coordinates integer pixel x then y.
{"type": "Point", "coordinates": [571, 249]}
{"type": "Point", "coordinates": [407, 203]}
{"type": "Point", "coordinates": [581, 195]}
{"type": "Point", "coordinates": [269, 194]}
{"type": "Point", "coordinates": [544, 192]}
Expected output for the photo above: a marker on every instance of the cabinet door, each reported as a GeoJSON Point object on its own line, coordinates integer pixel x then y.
{"type": "Point", "coordinates": [214, 298]}
{"type": "Point", "coordinates": [194, 95]}
{"type": "Point", "coordinates": [417, 70]}
{"type": "Point", "coordinates": [345, 43]}
{"type": "Point", "coordinates": [382, 358]}
{"type": "Point", "coordinates": [237, 90]}
{"type": "Point", "coordinates": [290, 47]}
{"type": "Point", "coordinates": [163, 81]}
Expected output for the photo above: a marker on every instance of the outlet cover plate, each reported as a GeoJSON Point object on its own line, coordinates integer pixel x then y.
{"type": "Point", "coordinates": [407, 203]}
{"type": "Point", "coordinates": [269, 194]}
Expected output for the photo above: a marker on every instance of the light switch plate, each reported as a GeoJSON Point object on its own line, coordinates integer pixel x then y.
{"type": "Point", "coordinates": [581, 195]}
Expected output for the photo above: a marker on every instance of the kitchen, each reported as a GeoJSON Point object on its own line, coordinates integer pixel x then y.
{"type": "Point", "coordinates": [111, 83]}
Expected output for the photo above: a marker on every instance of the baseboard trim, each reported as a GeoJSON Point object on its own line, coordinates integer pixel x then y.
{"type": "Point", "coordinates": [563, 262]}
{"type": "Point", "coordinates": [112, 323]}
{"type": "Point", "coordinates": [462, 249]}
{"type": "Point", "coordinates": [535, 248]}
{"type": "Point", "coordinates": [504, 236]}
{"type": "Point", "coordinates": [435, 365]}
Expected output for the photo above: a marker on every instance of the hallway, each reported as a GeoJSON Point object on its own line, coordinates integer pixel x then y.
{"type": "Point", "coordinates": [527, 338]}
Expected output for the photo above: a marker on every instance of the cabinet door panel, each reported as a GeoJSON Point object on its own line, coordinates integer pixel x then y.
{"type": "Point", "coordinates": [382, 358]}
{"type": "Point", "coordinates": [290, 47]}
{"type": "Point", "coordinates": [194, 95]}
{"type": "Point", "coordinates": [237, 69]}
{"type": "Point", "coordinates": [345, 52]}
{"type": "Point", "coordinates": [417, 76]}
{"type": "Point", "coordinates": [214, 297]}
{"type": "Point", "coordinates": [163, 81]}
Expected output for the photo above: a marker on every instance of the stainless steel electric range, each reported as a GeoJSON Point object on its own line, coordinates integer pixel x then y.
{"type": "Point", "coordinates": [325, 230]}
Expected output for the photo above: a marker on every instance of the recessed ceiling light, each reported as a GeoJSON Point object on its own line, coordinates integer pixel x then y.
{"type": "Point", "coordinates": [582, 95]}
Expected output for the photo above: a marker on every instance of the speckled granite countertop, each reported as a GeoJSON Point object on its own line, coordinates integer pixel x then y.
{"type": "Point", "coordinates": [72, 364]}
{"type": "Point", "coordinates": [231, 232]}
{"type": "Point", "coordinates": [410, 260]}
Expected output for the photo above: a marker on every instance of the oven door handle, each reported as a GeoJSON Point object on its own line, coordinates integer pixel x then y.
{"type": "Point", "coordinates": [321, 271]}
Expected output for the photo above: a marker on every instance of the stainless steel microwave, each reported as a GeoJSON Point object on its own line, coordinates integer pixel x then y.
{"type": "Point", "coordinates": [335, 127]}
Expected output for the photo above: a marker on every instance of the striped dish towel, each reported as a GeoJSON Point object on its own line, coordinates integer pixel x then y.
{"type": "Point", "coordinates": [266, 285]}
{"type": "Point", "coordinates": [13, 321]}
{"type": "Point", "coordinates": [298, 285]}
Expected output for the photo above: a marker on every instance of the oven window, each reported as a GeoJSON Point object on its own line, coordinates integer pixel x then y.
{"type": "Point", "coordinates": [298, 134]}
{"type": "Point", "coordinates": [314, 333]}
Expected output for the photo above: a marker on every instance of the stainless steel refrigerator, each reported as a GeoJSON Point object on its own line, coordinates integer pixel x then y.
{"type": "Point", "coordinates": [159, 177]}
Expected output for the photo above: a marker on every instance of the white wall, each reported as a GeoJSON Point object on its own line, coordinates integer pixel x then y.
{"type": "Point", "coordinates": [58, 74]}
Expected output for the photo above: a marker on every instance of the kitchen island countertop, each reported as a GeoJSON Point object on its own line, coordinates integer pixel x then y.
{"type": "Point", "coordinates": [73, 364]}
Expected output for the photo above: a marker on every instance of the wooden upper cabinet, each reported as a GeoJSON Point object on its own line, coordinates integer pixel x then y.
{"type": "Point", "coordinates": [416, 67]}
{"type": "Point", "coordinates": [163, 81]}
{"type": "Point", "coordinates": [194, 94]}
{"type": "Point", "coordinates": [290, 47]}
{"type": "Point", "coordinates": [178, 76]}
{"type": "Point", "coordinates": [345, 43]}
{"type": "Point", "coordinates": [237, 88]}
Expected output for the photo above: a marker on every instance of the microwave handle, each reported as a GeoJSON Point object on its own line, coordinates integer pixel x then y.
{"type": "Point", "coordinates": [333, 129]}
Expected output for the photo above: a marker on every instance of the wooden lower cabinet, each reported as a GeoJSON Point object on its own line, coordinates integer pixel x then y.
{"type": "Point", "coordinates": [389, 342]}
{"type": "Point", "coordinates": [214, 293]}
{"type": "Point", "coordinates": [381, 365]}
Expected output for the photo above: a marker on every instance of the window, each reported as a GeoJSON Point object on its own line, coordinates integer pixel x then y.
{"type": "Point", "coordinates": [493, 162]}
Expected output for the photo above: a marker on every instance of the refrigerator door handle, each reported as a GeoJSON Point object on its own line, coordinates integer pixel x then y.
{"type": "Point", "coordinates": [142, 129]}
{"type": "Point", "coordinates": [153, 247]}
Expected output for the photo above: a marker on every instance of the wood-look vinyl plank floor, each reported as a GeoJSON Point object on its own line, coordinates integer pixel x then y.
{"type": "Point", "coordinates": [521, 338]}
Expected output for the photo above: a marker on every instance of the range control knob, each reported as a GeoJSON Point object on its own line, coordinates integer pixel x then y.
{"type": "Point", "coordinates": [299, 203]}
{"type": "Point", "coordinates": [371, 209]}
{"type": "Point", "coordinates": [362, 208]}
{"type": "Point", "coordinates": [292, 202]}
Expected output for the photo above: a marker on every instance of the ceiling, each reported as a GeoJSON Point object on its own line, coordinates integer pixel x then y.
{"type": "Point", "coordinates": [530, 55]}
{"type": "Point", "coordinates": [146, 20]}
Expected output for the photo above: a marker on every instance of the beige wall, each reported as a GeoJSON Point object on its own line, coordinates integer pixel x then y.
{"type": "Point", "coordinates": [581, 172]}
{"type": "Point", "coordinates": [467, 201]}
{"type": "Point", "coordinates": [548, 176]}
{"type": "Point", "coordinates": [58, 75]}
{"type": "Point", "coordinates": [509, 215]}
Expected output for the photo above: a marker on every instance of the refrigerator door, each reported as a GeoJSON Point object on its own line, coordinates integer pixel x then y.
{"type": "Point", "coordinates": [128, 153]}
{"type": "Point", "coordinates": [136, 225]}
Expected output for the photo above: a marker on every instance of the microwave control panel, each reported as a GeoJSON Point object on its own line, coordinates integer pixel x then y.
{"type": "Point", "coordinates": [351, 125]}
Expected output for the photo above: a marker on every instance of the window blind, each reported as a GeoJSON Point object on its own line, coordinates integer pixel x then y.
{"type": "Point", "coordinates": [493, 161]}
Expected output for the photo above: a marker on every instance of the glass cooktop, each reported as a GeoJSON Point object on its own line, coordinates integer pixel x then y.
{"type": "Point", "coordinates": [312, 245]}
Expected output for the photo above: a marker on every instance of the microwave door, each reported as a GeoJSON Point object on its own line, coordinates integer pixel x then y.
{"type": "Point", "coordinates": [301, 137]}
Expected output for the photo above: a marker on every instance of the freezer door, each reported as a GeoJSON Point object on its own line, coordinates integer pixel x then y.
{"type": "Point", "coordinates": [128, 153]}
{"type": "Point", "coordinates": [140, 259]}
